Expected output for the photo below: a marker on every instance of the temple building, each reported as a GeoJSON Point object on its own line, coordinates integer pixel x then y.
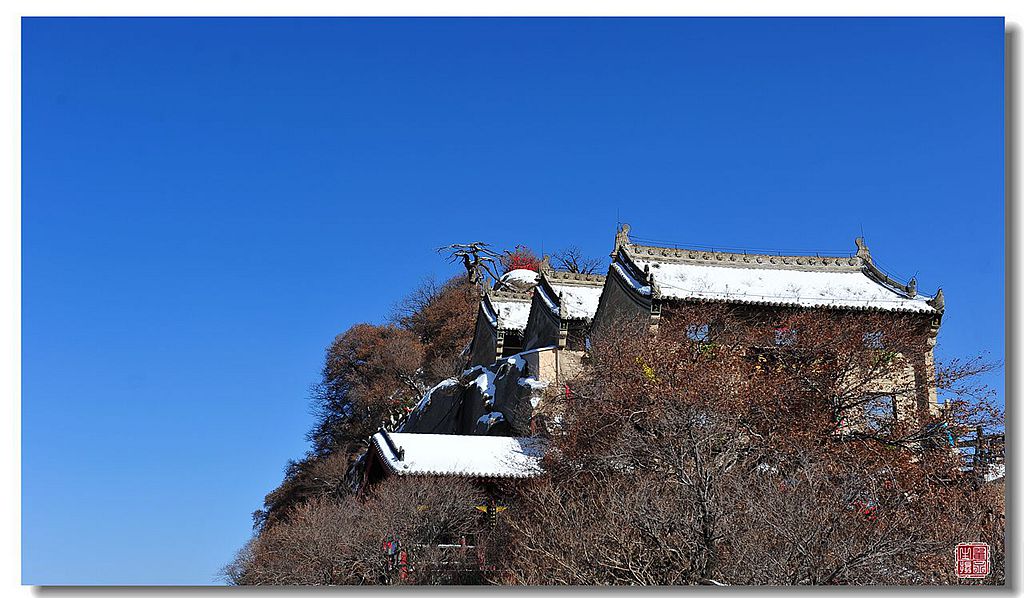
{"type": "Point", "coordinates": [649, 283]}
{"type": "Point", "coordinates": [500, 323]}
{"type": "Point", "coordinates": [534, 328]}
{"type": "Point", "coordinates": [547, 313]}
{"type": "Point", "coordinates": [563, 307]}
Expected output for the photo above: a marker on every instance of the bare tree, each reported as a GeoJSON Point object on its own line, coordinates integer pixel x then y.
{"type": "Point", "coordinates": [476, 257]}
{"type": "Point", "coordinates": [574, 260]}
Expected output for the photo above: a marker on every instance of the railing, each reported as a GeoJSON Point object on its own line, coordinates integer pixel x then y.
{"type": "Point", "coordinates": [982, 452]}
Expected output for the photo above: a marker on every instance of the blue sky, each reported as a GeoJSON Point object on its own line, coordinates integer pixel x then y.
{"type": "Point", "coordinates": [207, 202]}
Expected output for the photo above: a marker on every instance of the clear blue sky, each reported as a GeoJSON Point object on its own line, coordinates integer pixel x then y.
{"type": "Point", "coordinates": [206, 203]}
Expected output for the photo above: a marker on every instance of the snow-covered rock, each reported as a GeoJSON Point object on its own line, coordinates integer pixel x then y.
{"type": "Point", "coordinates": [518, 280]}
{"type": "Point", "coordinates": [497, 399]}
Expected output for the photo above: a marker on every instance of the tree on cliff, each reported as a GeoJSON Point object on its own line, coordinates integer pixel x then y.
{"type": "Point", "coordinates": [442, 316]}
{"type": "Point", "coordinates": [371, 374]}
{"type": "Point", "coordinates": [520, 258]}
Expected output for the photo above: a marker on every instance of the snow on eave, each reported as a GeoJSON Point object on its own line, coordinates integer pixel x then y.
{"type": "Point", "coordinates": [571, 301]}
{"type": "Point", "coordinates": [485, 305]}
{"type": "Point", "coordinates": [631, 280]}
{"type": "Point", "coordinates": [552, 304]}
{"type": "Point", "coordinates": [868, 306]}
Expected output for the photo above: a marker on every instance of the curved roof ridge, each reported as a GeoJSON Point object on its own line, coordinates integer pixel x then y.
{"type": "Point", "coordinates": [566, 277]}
{"type": "Point", "coordinates": [506, 295]}
{"type": "Point", "coordinates": [830, 263]}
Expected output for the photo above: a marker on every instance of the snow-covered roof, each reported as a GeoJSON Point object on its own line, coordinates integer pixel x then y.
{"type": "Point", "coordinates": [643, 289]}
{"type": "Point", "coordinates": [580, 302]}
{"type": "Point", "coordinates": [571, 295]}
{"type": "Point", "coordinates": [506, 309]}
{"type": "Point", "coordinates": [511, 315]}
{"type": "Point", "coordinates": [470, 456]}
{"type": "Point", "coordinates": [848, 282]}
{"type": "Point", "coordinates": [804, 288]}
{"type": "Point", "coordinates": [801, 281]}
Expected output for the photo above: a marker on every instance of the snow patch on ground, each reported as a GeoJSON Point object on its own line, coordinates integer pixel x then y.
{"type": "Point", "coordinates": [536, 387]}
{"type": "Point", "coordinates": [484, 381]}
{"type": "Point", "coordinates": [532, 383]}
{"type": "Point", "coordinates": [489, 419]}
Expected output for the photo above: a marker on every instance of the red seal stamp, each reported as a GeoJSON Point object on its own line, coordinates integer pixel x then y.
{"type": "Point", "coordinates": [972, 560]}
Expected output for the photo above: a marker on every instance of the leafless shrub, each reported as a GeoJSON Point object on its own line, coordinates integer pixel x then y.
{"type": "Point", "coordinates": [734, 458]}
{"type": "Point", "coordinates": [405, 531]}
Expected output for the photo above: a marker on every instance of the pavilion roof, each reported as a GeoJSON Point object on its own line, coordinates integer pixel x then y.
{"type": "Point", "coordinates": [455, 455]}
{"type": "Point", "coordinates": [507, 310]}
{"type": "Point", "coordinates": [571, 296]}
{"type": "Point", "coordinates": [842, 282]}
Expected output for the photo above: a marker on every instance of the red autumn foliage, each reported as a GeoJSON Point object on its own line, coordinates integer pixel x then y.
{"type": "Point", "coordinates": [522, 258]}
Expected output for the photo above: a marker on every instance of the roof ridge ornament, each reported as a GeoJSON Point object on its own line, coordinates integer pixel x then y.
{"type": "Point", "coordinates": [649, 275]}
{"type": "Point", "coordinates": [862, 250]}
{"type": "Point", "coordinates": [621, 238]}
{"type": "Point", "coordinates": [938, 301]}
{"type": "Point", "coordinates": [397, 451]}
{"type": "Point", "coordinates": [912, 287]}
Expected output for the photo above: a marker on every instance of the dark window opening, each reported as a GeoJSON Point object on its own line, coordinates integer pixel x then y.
{"type": "Point", "coordinates": [513, 343]}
